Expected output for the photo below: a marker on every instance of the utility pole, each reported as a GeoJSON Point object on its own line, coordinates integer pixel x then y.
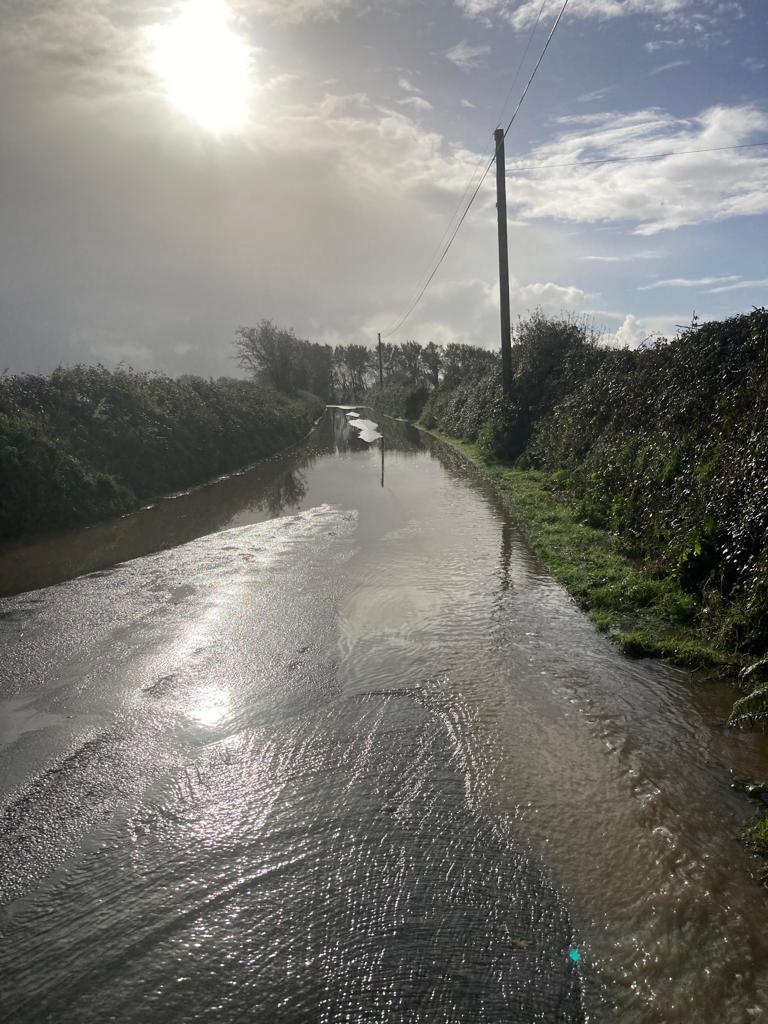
{"type": "Point", "coordinates": [501, 215]}
{"type": "Point", "coordinates": [381, 368]}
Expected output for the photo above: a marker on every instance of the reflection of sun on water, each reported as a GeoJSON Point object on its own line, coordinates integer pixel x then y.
{"type": "Point", "coordinates": [205, 65]}
{"type": "Point", "coordinates": [210, 707]}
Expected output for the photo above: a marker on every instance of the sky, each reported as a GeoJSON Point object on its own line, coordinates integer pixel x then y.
{"type": "Point", "coordinates": [171, 172]}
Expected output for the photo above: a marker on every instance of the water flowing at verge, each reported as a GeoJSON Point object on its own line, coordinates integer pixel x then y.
{"type": "Point", "coordinates": [362, 762]}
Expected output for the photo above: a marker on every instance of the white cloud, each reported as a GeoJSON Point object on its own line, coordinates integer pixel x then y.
{"type": "Point", "coordinates": [76, 45]}
{"type": "Point", "coordinates": [760, 283]}
{"type": "Point", "coordinates": [631, 334]}
{"type": "Point", "coordinates": [656, 194]}
{"type": "Point", "coordinates": [669, 67]}
{"type": "Point", "coordinates": [416, 103]}
{"type": "Point", "coordinates": [630, 257]}
{"type": "Point", "coordinates": [684, 12]}
{"type": "Point", "coordinates": [663, 44]}
{"type": "Point", "coordinates": [524, 14]}
{"type": "Point", "coordinates": [467, 309]}
{"type": "Point", "coordinates": [550, 297]}
{"type": "Point", "coordinates": [466, 56]}
{"type": "Point", "coordinates": [755, 64]}
{"type": "Point", "coordinates": [687, 282]}
{"type": "Point", "coordinates": [407, 86]}
{"type": "Point", "coordinates": [596, 94]}
{"type": "Point", "coordinates": [467, 104]}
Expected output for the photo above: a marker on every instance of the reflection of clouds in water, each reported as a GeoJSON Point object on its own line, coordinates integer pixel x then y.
{"type": "Point", "coordinates": [210, 705]}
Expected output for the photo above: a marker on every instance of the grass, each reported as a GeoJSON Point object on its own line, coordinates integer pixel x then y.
{"type": "Point", "coordinates": [643, 615]}
{"type": "Point", "coordinates": [757, 837]}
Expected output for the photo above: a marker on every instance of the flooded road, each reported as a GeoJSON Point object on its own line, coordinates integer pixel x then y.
{"type": "Point", "coordinates": [332, 747]}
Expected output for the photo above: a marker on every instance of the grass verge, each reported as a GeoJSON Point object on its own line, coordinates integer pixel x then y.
{"type": "Point", "coordinates": [643, 615]}
{"type": "Point", "coordinates": [757, 837]}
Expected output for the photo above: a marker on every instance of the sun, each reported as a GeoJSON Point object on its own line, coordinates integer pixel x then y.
{"type": "Point", "coordinates": [205, 65]}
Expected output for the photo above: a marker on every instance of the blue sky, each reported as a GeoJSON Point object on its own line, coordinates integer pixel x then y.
{"type": "Point", "coordinates": [173, 171]}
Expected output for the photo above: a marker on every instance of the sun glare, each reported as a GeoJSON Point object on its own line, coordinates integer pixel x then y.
{"type": "Point", "coordinates": [205, 65]}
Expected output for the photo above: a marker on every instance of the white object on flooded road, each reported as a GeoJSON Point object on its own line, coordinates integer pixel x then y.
{"type": "Point", "coordinates": [367, 429]}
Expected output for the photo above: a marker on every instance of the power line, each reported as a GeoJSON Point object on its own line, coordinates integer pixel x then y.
{"type": "Point", "coordinates": [422, 290]}
{"type": "Point", "coordinates": [473, 175]}
{"type": "Point", "coordinates": [511, 89]}
{"type": "Point", "coordinates": [634, 159]}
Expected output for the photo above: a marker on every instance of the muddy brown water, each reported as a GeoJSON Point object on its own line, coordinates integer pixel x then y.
{"type": "Point", "coordinates": [307, 744]}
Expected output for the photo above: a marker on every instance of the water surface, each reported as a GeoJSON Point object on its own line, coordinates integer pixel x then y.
{"type": "Point", "coordinates": [332, 746]}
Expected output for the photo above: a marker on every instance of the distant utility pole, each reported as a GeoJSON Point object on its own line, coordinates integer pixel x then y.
{"type": "Point", "coordinates": [501, 215]}
{"type": "Point", "coordinates": [381, 367]}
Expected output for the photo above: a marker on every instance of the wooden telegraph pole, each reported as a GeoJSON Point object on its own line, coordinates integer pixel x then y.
{"type": "Point", "coordinates": [381, 368]}
{"type": "Point", "coordinates": [501, 215]}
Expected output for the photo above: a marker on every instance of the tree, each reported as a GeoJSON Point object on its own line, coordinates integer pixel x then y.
{"type": "Point", "coordinates": [466, 363]}
{"type": "Point", "coordinates": [268, 352]}
{"type": "Point", "coordinates": [358, 362]}
{"type": "Point", "coordinates": [432, 361]}
{"type": "Point", "coordinates": [410, 357]}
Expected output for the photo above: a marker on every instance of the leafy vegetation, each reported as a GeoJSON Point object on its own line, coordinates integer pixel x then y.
{"type": "Point", "coordinates": [757, 837]}
{"type": "Point", "coordinates": [86, 442]}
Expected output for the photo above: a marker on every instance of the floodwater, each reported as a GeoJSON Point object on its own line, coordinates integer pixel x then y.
{"type": "Point", "coordinates": [329, 745]}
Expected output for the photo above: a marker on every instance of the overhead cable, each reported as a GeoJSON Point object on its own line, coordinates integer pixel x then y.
{"type": "Point", "coordinates": [396, 327]}
{"type": "Point", "coordinates": [473, 175]}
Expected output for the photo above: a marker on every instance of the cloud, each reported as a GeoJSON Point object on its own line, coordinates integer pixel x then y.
{"type": "Point", "coordinates": [667, 12]}
{"type": "Point", "coordinates": [467, 309]}
{"type": "Point", "coordinates": [127, 231]}
{"type": "Point", "coordinates": [467, 104]}
{"type": "Point", "coordinates": [646, 254]}
{"type": "Point", "coordinates": [631, 334]}
{"type": "Point", "coordinates": [687, 282]}
{"type": "Point", "coordinates": [760, 283]}
{"type": "Point", "coordinates": [407, 86]}
{"type": "Point", "coordinates": [75, 45]}
{"type": "Point", "coordinates": [526, 13]}
{"type": "Point", "coordinates": [416, 103]}
{"type": "Point", "coordinates": [755, 64]}
{"type": "Point", "coordinates": [669, 67]}
{"type": "Point", "coordinates": [549, 296]}
{"type": "Point", "coordinates": [596, 94]}
{"type": "Point", "coordinates": [466, 56]}
{"type": "Point", "coordinates": [647, 186]}
{"type": "Point", "coordinates": [662, 44]}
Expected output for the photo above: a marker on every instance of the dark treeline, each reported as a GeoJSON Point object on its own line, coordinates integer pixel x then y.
{"type": "Point", "coordinates": [348, 373]}
{"type": "Point", "coordinates": [84, 443]}
{"type": "Point", "coordinates": [665, 446]}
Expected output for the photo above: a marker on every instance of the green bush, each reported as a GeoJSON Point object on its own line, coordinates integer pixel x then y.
{"type": "Point", "coordinates": [87, 442]}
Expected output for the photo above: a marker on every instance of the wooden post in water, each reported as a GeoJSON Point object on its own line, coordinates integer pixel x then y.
{"type": "Point", "coordinates": [501, 217]}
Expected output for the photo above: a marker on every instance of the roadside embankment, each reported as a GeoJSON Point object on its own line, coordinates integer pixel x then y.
{"type": "Point", "coordinates": [86, 443]}
{"type": "Point", "coordinates": [644, 616]}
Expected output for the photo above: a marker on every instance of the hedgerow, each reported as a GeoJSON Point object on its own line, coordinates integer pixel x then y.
{"type": "Point", "coordinates": [86, 442]}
